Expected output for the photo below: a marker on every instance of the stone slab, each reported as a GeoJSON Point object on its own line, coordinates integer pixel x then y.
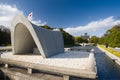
{"type": "Point", "coordinates": [27, 36]}
{"type": "Point", "coordinates": [19, 74]}
{"type": "Point", "coordinates": [69, 63]}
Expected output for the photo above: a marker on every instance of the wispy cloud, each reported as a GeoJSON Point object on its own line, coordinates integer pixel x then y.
{"type": "Point", "coordinates": [97, 28]}
{"type": "Point", "coordinates": [37, 22]}
{"type": "Point", "coordinates": [7, 12]}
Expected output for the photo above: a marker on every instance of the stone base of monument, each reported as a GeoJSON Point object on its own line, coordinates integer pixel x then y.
{"type": "Point", "coordinates": [72, 63]}
{"type": "Point", "coordinates": [21, 74]}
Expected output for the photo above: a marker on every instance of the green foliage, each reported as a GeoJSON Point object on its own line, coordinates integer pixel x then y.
{"type": "Point", "coordinates": [112, 37]}
{"type": "Point", "coordinates": [116, 53]}
{"type": "Point", "coordinates": [85, 40]}
{"type": "Point", "coordinates": [4, 38]}
{"type": "Point", "coordinates": [47, 27]}
{"type": "Point", "coordinates": [80, 39]}
{"type": "Point", "coordinates": [68, 39]}
{"type": "Point", "coordinates": [94, 39]}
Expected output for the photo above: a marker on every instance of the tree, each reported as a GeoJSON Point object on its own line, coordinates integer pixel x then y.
{"type": "Point", "coordinates": [78, 39]}
{"type": "Point", "coordinates": [4, 36]}
{"type": "Point", "coordinates": [68, 39]}
{"type": "Point", "coordinates": [112, 37]}
{"type": "Point", "coordinates": [94, 39]}
{"type": "Point", "coordinates": [47, 27]}
{"type": "Point", "coordinates": [85, 40]}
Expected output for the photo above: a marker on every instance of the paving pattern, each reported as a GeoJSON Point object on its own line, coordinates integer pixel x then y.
{"type": "Point", "coordinates": [77, 60]}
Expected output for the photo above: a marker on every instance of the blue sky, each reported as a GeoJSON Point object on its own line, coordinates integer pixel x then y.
{"type": "Point", "coordinates": [74, 16]}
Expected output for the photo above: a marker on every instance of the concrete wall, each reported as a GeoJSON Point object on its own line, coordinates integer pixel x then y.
{"type": "Point", "coordinates": [21, 74]}
{"type": "Point", "coordinates": [23, 40]}
{"type": "Point", "coordinates": [26, 36]}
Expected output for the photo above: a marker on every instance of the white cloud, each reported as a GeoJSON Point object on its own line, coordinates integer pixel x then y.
{"type": "Point", "coordinates": [94, 27]}
{"type": "Point", "coordinates": [7, 12]}
{"type": "Point", "coordinates": [37, 22]}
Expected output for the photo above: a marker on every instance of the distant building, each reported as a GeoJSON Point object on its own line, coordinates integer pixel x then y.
{"type": "Point", "coordinates": [85, 36]}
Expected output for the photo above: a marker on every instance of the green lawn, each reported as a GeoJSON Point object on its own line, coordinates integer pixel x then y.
{"type": "Point", "coordinates": [116, 53]}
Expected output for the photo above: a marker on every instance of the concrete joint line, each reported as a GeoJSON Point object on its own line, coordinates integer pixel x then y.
{"type": "Point", "coordinates": [66, 77]}
{"type": "Point", "coordinates": [6, 65]}
{"type": "Point", "coordinates": [29, 70]}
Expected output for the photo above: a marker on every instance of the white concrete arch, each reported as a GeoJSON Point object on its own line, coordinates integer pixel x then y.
{"type": "Point", "coordinates": [25, 36]}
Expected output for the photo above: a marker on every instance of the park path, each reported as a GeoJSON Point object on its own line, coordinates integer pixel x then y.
{"type": "Point", "coordinates": [116, 49]}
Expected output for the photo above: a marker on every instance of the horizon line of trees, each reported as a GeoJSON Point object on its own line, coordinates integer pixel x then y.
{"type": "Point", "coordinates": [111, 37]}
{"type": "Point", "coordinates": [5, 38]}
{"type": "Point", "coordinates": [68, 39]}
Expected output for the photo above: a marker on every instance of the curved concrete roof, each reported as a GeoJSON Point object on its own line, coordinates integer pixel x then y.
{"type": "Point", "coordinates": [26, 36]}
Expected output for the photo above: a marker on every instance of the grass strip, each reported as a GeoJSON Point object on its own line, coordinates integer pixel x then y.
{"type": "Point", "coordinates": [116, 53]}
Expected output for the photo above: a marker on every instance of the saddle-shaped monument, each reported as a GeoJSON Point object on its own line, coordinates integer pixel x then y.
{"type": "Point", "coordinates": [36, 48]}
{"type": "Point", "coordinates": [27, 36]}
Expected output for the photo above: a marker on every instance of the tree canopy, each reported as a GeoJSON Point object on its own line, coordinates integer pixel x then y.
{"type": "Point", "coordinates": [68, 39]}
{"type": "Point", "coordinates": [47, 27]}
{"type": "Point", "coordinates": [112, 37]}
{"type": "Point", "coordinates": [4, 36]}
{"type": "Point", "coordinates": [94, 39]}
{"type": "Point", "coordinates": [80, 39]}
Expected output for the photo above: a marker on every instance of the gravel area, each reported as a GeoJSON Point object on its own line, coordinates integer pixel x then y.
{"type": "Point", "coordinates": [73, 59]}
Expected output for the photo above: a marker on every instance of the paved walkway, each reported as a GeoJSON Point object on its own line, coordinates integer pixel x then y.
{"type": "Point", "coordinates": [116, 49]}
